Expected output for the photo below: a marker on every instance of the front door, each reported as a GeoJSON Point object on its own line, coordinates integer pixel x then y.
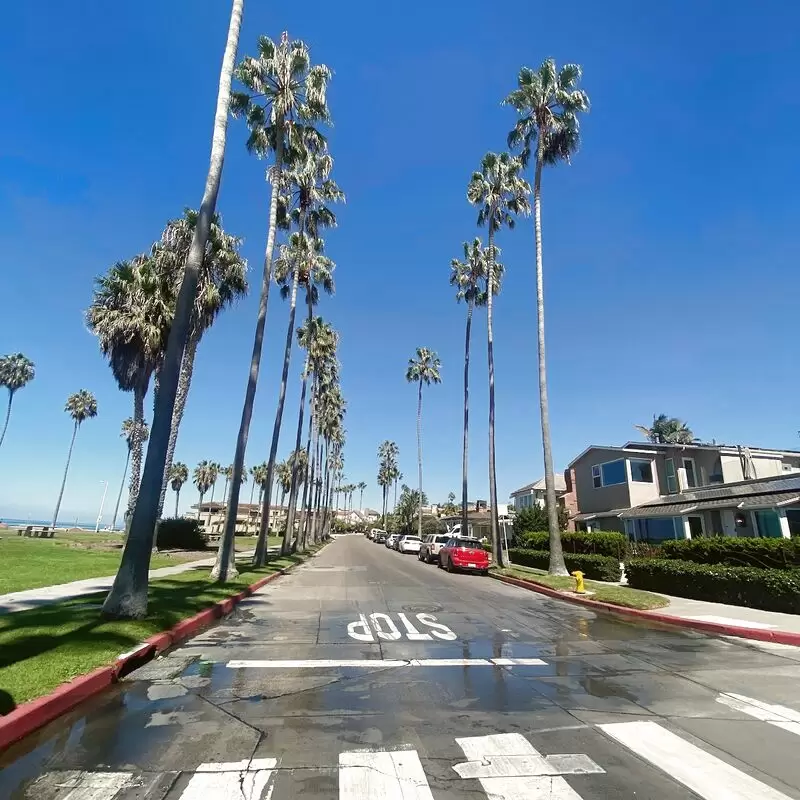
{"type": "Point", "coordinates": [696, 527]}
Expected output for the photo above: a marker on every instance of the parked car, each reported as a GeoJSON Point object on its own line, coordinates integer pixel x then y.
{"type": "Point", "coordinates": [463, 553]}
{"type": "Point", "coordinates": [380, 537]}
{"type": "Point", "coordinates": [409, 544]}
{"type": "Point", "coordinates": [396, 543]}
{"type": "Point", "coordinates": [373, 534]}
{"type": "Point", "coordinates": [431, 545]}
{"type": "Point", "coordinates": [391, 539]}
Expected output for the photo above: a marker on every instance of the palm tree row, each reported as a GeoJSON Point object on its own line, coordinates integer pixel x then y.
{"type": "Point", "coordinates": [388, 472]}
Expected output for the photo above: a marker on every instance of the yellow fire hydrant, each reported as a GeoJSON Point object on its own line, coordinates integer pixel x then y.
{"type": "Point", "coordinates": [579, 587]}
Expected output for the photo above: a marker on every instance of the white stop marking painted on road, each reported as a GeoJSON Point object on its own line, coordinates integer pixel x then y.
{"type": "Point", "coordinates": [424, 629]}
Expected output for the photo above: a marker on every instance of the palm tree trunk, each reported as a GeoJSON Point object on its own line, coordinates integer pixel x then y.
{"type": "Point", "coordinates": [222, 570]}
{"type": "Point", "coordinates": [252, 489]}
{"type": "Point", "coordinates": [395, 495]}
{"type": "Point", "coordinates": [210, 503]}
{"type": "Point", "coordinates": [261, 545]}
{"type": "Point", "coordinates": [66, 470]}
{"type": "Point", "coordinates": [136, 448]}
{"type": "Point", "coordinates": [185, 379]}
{"type": "Point", "coordinates": [419, 457]}
{"type": "Point", "coordinates": [8, 415]}
{"type": "Point", "coordinates": [557, 565]}
{"type": "Point", "coordinates": [465, 447]}
{"type": "Point", "coordinates": [300, 542]}
{"type": "Point", "coordinates": [128, 595]}
{"type": "Point", "coordinates": [121, 487]}
{"type": "Point", "coordinates": [498, 557]}
{"type": "Point", "coordinates": [177, 499]}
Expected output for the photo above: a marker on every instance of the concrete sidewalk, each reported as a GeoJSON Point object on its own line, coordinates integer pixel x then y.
{"type": "Point", "coordinates": [33, 598]}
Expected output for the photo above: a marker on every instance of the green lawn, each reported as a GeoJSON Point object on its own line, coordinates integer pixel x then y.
{"type": "Point", "coordinates": [43, 647]}
{"type": "Point", "coordinates": [606, 593]}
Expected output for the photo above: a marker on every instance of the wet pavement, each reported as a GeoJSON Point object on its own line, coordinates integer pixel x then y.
{"type": "Point", "coordinates": [368, 674]}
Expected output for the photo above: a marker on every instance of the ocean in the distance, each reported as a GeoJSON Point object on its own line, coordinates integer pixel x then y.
{"type": "Point", "coordinates": [41, 522]}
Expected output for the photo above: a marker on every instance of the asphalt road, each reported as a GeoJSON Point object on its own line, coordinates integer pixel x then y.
{"type": "Point", "coordinates": [473, 689]}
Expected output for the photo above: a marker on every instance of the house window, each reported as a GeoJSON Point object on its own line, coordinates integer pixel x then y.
{"type": "Point", "coordinates": [672, 480]}
{"type": "Point", "coordinates": [793, 517]}
{"type": "Point", "coordinates": [691, 474]}
{"type": "Point", "coordinates": [641, 470]}
{"type": "Point", "coordinates": [609, 474]}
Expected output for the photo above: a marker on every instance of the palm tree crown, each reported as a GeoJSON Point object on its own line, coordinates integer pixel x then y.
{"type": "Point", "coordinates": [667, 430]}
{"type": "Point", "coordinates": [81, 406]}
{"type": "Point", "coordinates": [470, 276]}
{"type": "Point", "coordinates": [426, 368]}
{"type": "Point", "coordinates": [15, 371]}
{"type": "Point", "coordinates": [178, 475]}
{"type": "Point", "coordinates": [499, 191]}
{"type": "Point", "coordinates": [548, 103]}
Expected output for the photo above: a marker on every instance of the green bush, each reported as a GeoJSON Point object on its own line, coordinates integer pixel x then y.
{"type": "Point", "coordinates": [579, 542]}
{"type": "Point", "coordinates": [736, 552]}
{"type": "Point", "coordinates": [535, 519]}
{"type": "Point", "coordinates": [595, 567]}
{"type": "Point", "coordinates": [768, 589]}
{"type": "Point", "coordinates": [179, 534]}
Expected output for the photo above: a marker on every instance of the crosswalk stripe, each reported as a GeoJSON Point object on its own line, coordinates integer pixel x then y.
{"type": "Point", "coordinates": [509, 767]}
{"type": "Point", "coordinates": [238, 780]}
{"type": "Point", "coordinates": [376, 663]}
{"type": "Point", "coordinates": [782, 717]}
{"type": "Point", "coordinates": [705, 774]}
{"type": "Point", "coordinates": [89, 785]}
{"type": "Point", "coordinates": [392, 775]}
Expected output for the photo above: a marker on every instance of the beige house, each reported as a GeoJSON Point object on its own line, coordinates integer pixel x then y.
{"type": "Point", "coordinates": [534, 493]}
{"type": "Point", "coordinates": [212, 517]}
{"type": "Point", "coordinates": [658, 491]}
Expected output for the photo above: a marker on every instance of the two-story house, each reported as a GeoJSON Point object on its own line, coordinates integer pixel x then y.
{"type": "Point", "coordinates": [660, 491]}
{"type": "Point", "coordinates": [534, 493]}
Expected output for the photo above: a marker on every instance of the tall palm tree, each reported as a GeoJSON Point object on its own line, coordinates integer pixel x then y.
{"type": "Point", "coordinates": [398, 476]}
{"type": "Point", "coordinates": [226, 473]}
{"type": "Point", "coordinates": [80, 407]}
{"type": "Point", "coordinates": [500, 193]}
{"type": "Point", "coordinates": [667, 430]}
{"type": "Point", "coordinates": [361, 486]}
{"type": "Point", "coordinates": [202, 478]}
{"type": "Point", "coordinates": [548, 102]}
{"type": "Point", "coordinates": [387, 471]}
{"type": "Point", "coordinates": [213, 474]}
{"type": "Point", "coordinates": [424, 369]}
{"type": "Point", "coordinates": [222, 281]}
{"type": "Point", "coordinates": [285, 92]}
{"type": "Point", "coordinates": [15, 371]}
{"type": "Point", "coordinates": [128, 433]}
{"type": "Point", "coordinates": [469, 277]}
{"type": "Point", "coordinates": [178, 475]}
{"type": "Point", "coordinates": [131, 313]}
{"type": "Point", "coordinates": [128, 595]}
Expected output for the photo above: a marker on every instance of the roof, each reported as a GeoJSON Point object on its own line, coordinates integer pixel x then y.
{"type": "Point", "coordinates": [772, 492]}
{"type": "Point", "coordinates": [588, 516]}
{"type": "Point", "coordinates": [561, 486]}
{"type": "Point", "coordinates": [624, 449]}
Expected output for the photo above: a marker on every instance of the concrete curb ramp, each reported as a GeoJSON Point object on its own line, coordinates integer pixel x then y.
{"type": "Point", "coordinates": [760, 634]}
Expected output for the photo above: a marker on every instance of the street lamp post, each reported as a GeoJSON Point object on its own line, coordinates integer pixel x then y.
{"type": "Point", "coordinates": [102, 503]}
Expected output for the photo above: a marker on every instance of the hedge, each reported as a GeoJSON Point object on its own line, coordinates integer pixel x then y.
{"type": "Point", "coordinates": [736, 552]}
{"type": "Point", "coordinates": [580, 542]}
{"type": "Point", "coordinates": [595, 567]}
{"type": "Point", "coordinates": [768, 589]}
{"type": "Point", "coordinates": [181, 534]}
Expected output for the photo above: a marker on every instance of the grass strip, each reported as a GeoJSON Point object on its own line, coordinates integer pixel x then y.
{"type": "Point", "coordinates": [605, 593]}
{"type": "Point", "coordinates": [44, 647]}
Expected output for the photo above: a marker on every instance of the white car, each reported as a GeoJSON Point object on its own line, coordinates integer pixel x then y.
{"type": "Point", "coordinates": [391, 539]}
{"type": "Point", "coordinates": [410, 544]}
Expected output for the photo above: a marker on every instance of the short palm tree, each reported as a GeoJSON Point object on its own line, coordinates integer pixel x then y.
{"type": "Point", "coordinates": [178, 475]}
{"type": "Point", "coordinates": [203, 478]}
{"type": "Point", "coordinates": [15, 372]}
{"type": "Point", "coordinates": [129, 433]}
{"type": "Point", "coordinates": [426, 369]}
{"type": "Point", "coordinates": [361, 486]}
{"type": "Point", "coordinates": [80, 407]}
{"type": "Point", "coordinates": [284, 94]}
{"type": "Point", "coordinates": [667, 430]}
{"type": "Point", "coordinates": [128, 595]}
{"type": "Point", "coordinates": [222, 281]}
{"type": "Point", "coordinates": [548, 102]}
{"type": "Point", "coordinates": [470, 277]}
{"type": "Point", "coordinates": [500, 194]}
{"type": "Point", "coordinates": [213, 474]}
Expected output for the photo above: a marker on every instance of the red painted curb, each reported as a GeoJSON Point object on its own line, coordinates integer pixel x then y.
{"type": "Point", "coordinates": [35, 714]}
{"type": "Point", "coordinates": [781, 637]}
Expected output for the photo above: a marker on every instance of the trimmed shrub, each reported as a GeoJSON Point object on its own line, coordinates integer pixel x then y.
{"type": "Point", "coordinates": [736, 552]}
{"type": "Point", "coordinates": [179, 534]}
{"type": "Point", "coordinates": [768, 589]}
{"type": "Point", "coordinates": [580, 542]}
{"type": "Point", "coordinates": [535, 519]}
{"type": "Point", "coordinates": [595, 567]}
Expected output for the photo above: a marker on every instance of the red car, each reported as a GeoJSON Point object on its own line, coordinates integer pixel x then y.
{"type": "Point", "coordinates": [462, 553]}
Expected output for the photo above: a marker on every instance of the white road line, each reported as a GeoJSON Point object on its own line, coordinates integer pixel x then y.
{"type": "Point", "coordinates": [376, 663]}
{"type": "Point", "coordinates": [87, 785]}
{"type": "Point", "coordinates": [237, 780]}
{"type": "Point", "coordinates": [705, 774]}
{"type": "Point", "coordinates": [509, 767]}
{"type": "Point", "coordinates": [782, 717]}
{"type": "Point", "coordinates": [742, 623]}
{"type": "Point", "coordinates": [393, 775]}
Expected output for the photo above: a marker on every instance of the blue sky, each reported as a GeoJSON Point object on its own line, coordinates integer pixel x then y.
{"type": "Point", "coordinates": [670, 244]}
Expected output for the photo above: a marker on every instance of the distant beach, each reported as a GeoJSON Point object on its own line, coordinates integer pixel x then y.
{"type": "Point", "coordinates": [16, 523]}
